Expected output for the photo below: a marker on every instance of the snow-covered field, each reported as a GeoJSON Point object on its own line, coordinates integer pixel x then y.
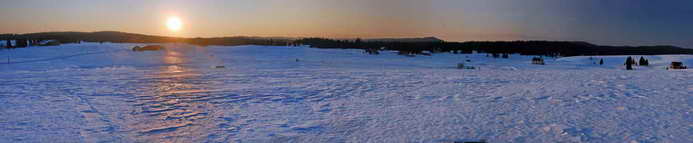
{"type": "Point", "coordinates": [107, 93]}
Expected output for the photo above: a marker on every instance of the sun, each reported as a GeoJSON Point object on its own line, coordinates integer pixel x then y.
{"type": "Point", "coordinates": [174, 24]}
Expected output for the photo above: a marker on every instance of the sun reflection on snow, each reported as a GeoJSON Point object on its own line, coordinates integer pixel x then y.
{"type": "Point", "coordinates": [172, 99]}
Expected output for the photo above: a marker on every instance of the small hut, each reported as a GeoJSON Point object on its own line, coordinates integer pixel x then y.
{"type": "Point", "coordinates": [677, 65]}
{"type": "Point", "coordinates": [538, 61]}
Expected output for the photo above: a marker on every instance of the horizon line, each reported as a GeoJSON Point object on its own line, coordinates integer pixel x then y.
{"type": "Point", "coordinates": [333, 38]}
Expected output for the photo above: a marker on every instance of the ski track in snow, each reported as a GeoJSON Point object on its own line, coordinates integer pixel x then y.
{"type": "Point", "coordinates": [51, 94]}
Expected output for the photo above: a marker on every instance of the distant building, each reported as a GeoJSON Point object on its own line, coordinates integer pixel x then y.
{"type": "Point", "coordinates": [677, 65]}
{"type": "Point", "coordinates": [21, 43]}
{"type": "Point", "coordinates": [48, 43]}
{"type": "Point", "coordinates": [538, 61]}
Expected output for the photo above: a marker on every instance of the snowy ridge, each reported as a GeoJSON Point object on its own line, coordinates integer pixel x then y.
{"type": "Point", "coordinates": [264, 94]}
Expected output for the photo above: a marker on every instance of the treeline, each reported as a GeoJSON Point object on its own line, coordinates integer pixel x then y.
{"type": "Point", "coordinates": [541, 48]}
{"type": "Point", "coordinates": [410, 46]}
{"type": "Point", "coordinates": [121, 37]}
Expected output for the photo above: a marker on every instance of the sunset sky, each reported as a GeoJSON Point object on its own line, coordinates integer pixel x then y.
{"type": "Point", "coordinates": [615, 22]}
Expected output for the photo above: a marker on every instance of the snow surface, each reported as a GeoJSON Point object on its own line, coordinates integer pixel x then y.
{"type": "Point", "coordinates": [94, 92]}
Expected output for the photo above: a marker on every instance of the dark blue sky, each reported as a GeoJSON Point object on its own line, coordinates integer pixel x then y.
{"type": "Point", "coordinates": [615, 22]}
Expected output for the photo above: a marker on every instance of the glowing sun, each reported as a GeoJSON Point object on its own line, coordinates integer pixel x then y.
{"type": "Point", "coordinates": [174, 24]}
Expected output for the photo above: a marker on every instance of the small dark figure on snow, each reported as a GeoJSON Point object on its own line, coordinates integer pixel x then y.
{"type": "Point", "coordinates": [601, 62]}
{"type": "Point", "coordinates": [644, 62]}
{"type": "Point", "coordinates": [629, 63]}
